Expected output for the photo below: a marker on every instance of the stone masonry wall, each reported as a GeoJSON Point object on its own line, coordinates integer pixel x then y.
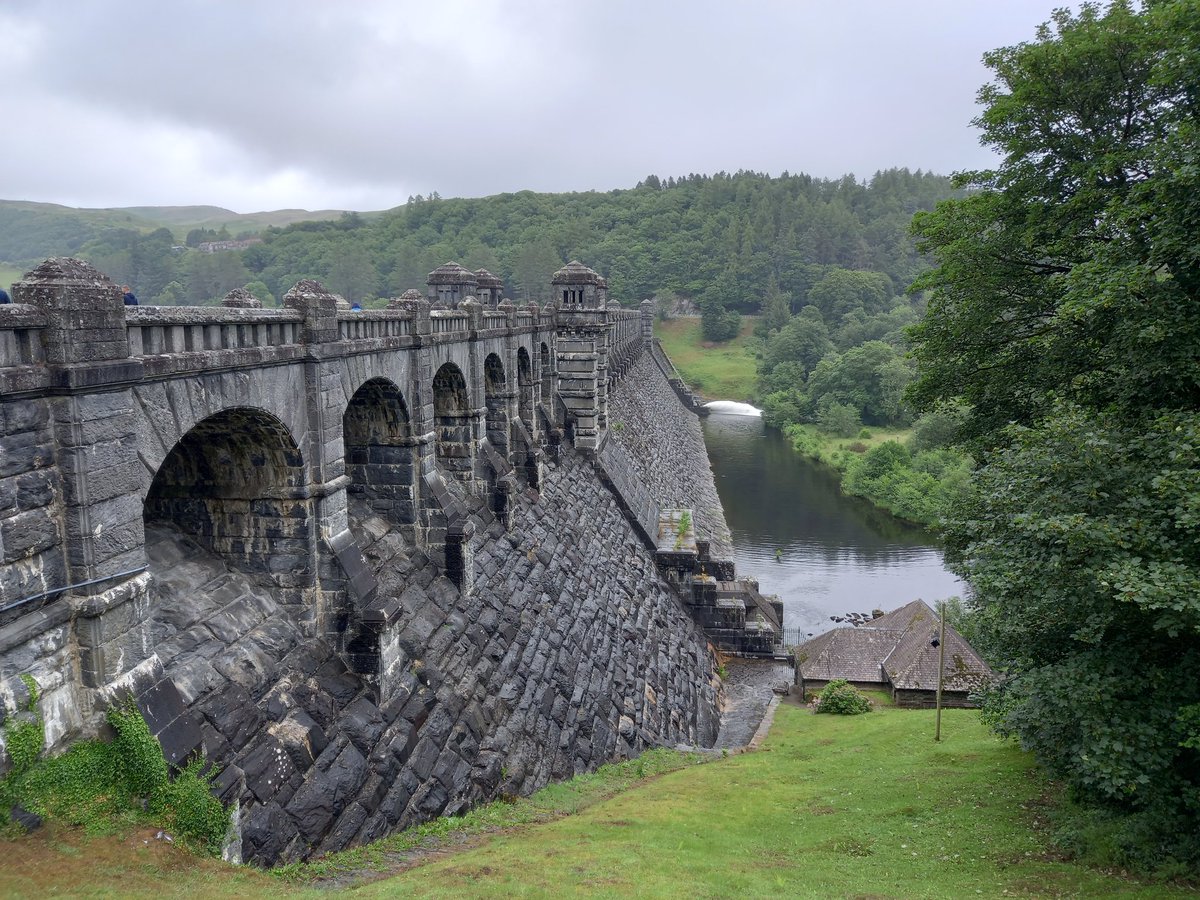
{"type": "Point", "coordinates": [666, 444]}
{"type": "Point", "coordinates": [569, 652]}
{"type": "Point", "coordinates": [31, 555]}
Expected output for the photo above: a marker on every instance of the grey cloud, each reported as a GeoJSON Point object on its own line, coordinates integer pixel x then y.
{"type": "Point", "coordinates": [364, 103]}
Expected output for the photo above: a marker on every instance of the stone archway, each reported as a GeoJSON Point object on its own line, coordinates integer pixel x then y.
{"type": "Point", "coordinates": [235, 483]}
{"type": "Point", "coordinates": [452, 422]}
{"type": "Point", "coordinates": [547, 372]}
{"type": "Point", "coordinates": [495, 393]}
{"type": "Point", "coordinates": [525, 386]}
{"type": "Point", "coordinates": [380, 451]}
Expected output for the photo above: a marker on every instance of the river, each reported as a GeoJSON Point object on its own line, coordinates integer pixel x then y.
{"type": "Point", "coordinates": [836, 554]}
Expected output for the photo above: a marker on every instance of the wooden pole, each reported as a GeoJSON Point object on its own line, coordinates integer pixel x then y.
{"type": "Point", "coordinates": [937, 735]}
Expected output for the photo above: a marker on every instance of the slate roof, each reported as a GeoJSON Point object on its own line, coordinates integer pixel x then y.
{"type": "Point", "coordinates": [576, 272]}
{"type": "Point", "coordinates": [894, 649]}
{"type": "Point", "coordinates": [913, 664]}
{"type": "Point", "coordinates": [855, 654]}
{"type": "Point", "coordinates": [451, 273]}
{"type": "Point", "coordinates": [484, 278]}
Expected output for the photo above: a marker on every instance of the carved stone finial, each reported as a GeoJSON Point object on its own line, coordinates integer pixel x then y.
{"type": "Point", "coordinates": [241, 298]}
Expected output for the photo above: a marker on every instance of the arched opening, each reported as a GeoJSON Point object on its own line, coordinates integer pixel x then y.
{"type": "Point", "coordinates": [547, 377]}
{"type": "Point", "coordinates": [235, 483]}
{"type": "Point", "coordinates": [452, 421]}
{"type": "Point", "coordinates": [525, 386]}
{"type": "Point", "coordinates": [377, 433]}
{"type": "Point", "coordinates": [495, 396]}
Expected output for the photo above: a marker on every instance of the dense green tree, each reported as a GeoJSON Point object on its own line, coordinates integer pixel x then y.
{"type": "Point", "coordinates": [532, 266]}
{"type": "Point", "coordinates": [719, 319]}
{"type": "Point", "coordinates": [197, 236]}
{"type": "Point", "coordinates": [841, 419]}
{"type": "Point", "coordinates": [803, 341]}
{"type": "Point", "coordinates": [719, 324]}
{"type": "Point", "coordinates": [870, 378]}
{"type": "Point", "coordinates": [842, 291]}
{"type": "Point", "coordinates": [172, 294]}
{"type": "Point", "coordinates": [262, 292]}
{"type": "Point", "coordinates": [210, 276]}
{"type": "Point", "coordinates": [776, 308]}
{"type": "Point", "coordinates": [351, 272]}
{"type": "Point", "coordinates": [1065, 310]}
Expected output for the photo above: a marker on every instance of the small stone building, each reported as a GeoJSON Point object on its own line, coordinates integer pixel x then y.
{"type": "Point", "coordinates": [896, 652]}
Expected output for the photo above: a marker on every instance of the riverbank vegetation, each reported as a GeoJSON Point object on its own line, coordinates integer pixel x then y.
{"type": "Point", "coordinates": [830, 806]}
{"type": "Point", "coordinates": [1065, 316]}
{"type": "Point", "coordinates": [891, 468]}
{"type": "Point", "coordinates": [910, 468]}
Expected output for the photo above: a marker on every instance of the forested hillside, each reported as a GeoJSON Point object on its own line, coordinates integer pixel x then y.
{"type": "Point", "coordinates": [31, 232]}
{"type": "Point", "coordinates": [718, 239]}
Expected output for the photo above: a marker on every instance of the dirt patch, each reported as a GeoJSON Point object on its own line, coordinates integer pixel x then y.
{"type": "Point", "coordinates": [59, 860]}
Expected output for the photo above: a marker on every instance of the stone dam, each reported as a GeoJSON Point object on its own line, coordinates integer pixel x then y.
{"type": "Point", "coordinates": [374, 566]}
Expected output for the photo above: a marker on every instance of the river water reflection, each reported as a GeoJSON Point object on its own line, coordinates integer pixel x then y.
{"type": "Point", "coordinates": [837, 554]}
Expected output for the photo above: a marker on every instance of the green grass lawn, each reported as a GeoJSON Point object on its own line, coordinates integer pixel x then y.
{"type": "Point", "coordinates": [867, 806]}
{"type": "Point", "coordinates": [724, 371]}
{"type": "Point", "coordinates": [831, 806]}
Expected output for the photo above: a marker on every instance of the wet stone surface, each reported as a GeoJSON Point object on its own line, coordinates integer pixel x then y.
{"type": "Point", "coordinates": [748, 692]}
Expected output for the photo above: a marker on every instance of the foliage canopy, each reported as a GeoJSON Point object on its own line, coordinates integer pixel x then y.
{"type": "Point", "coordinates": [1065, 311]}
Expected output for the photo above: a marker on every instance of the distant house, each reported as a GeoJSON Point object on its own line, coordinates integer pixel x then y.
{"type": "Point", "coordinates": [895, 652]}
{"type": "Point", "coordinates": [218, 246]}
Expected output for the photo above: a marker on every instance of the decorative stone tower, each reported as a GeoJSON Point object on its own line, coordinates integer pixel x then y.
{"type": "Point", "coordinates": [489, 289]}
{"type": "Point", "coordinates": [583, 335]}
{"type": "Point", "coordinates": [450, 284]}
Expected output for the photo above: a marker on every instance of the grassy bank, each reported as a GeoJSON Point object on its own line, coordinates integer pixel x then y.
{"type": "Point", "coordinates": [879, 466]}
{"type": "Point", "coordinates": [838, 452]}
{"type": "Point", "coordinates": [830, 807]}
{"type": "Point", "coordinates": [724, 371]}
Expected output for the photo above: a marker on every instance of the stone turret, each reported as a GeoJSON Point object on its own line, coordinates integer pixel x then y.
{"type": "Point", "coordinates": [412, 295]}
{"type": "Point", "coordinates": [583, 345]}
{"type": "Point", "coordinates": [575, 286]}
{"type": "Point", "coordinates": [450, 284]}
{"type": "Point", "coordinates": [489, 288]}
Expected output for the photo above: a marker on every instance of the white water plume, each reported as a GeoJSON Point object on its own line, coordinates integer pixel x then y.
{"type": "Point", "coordinates": [732, 408]}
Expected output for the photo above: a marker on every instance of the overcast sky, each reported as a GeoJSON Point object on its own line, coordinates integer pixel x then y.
{"type": "Point", "coordinates": [269, 104]}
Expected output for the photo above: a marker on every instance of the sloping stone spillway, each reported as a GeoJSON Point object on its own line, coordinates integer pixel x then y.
{"type": "Point", "coordinates": [568, 652]}
{"type": "Point", "coordinates": [665, 445]}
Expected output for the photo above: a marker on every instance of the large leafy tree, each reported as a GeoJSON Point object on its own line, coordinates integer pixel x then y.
{"type": "Point", "coordinates": [1065, 310]}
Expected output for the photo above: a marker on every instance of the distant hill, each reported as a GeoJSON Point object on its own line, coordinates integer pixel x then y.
{"type": "Point", "coordinates": [30, 231]}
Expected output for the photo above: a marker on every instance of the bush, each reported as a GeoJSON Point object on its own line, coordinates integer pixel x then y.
{"type": "Point", "coordinates": [842, 699]}
{"type": "Point", "coordinates": [97, 784]}
{"type": "Point", "coordinates": [937, 428]}
{"type": "Point", "coordinates": [719, 324]}
{"type": "Point", "coordinates": [841, 419]}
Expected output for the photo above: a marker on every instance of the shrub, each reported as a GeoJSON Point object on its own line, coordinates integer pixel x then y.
{"type": "Point", "coordinates": [840, 419]}
{"type": "Point", "coordinates": [719, 324]}
{"type": "Point", "coordinates": [842, 699]}
{"type": "Point", "coordinates": [97, 784]}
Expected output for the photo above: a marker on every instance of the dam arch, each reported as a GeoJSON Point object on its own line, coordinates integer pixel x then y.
{"type": "Point", "coordinates": [235, 482]}
{"type": "Point", "coordinates": [453, 421]}
{"type": "Point", "coordinates": [380, 450]}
